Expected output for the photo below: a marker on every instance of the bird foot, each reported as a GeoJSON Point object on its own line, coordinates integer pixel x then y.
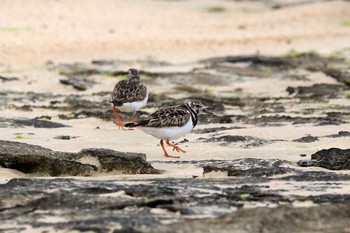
{"type": "Point", "coordinates": [175, 147]}
{"type": "Point", "coordinates": [170, 156]}
{"type": "Point", "coordinates": [119, 123]}
{"type": "Point", "coordinates": [178, 149]}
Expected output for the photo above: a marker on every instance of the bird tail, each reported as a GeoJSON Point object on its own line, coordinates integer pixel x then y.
{"type": "Point", "coordinates": [116, 103]}
{"type": "Point", "coordinates": [131, 125]}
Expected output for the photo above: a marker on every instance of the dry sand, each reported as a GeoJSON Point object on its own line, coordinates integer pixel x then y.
{"type": "Point", "coordinates": [35, 31]}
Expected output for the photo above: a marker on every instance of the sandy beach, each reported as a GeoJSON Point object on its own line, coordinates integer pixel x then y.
{"type": "Point", "coordinates": [175, 31]}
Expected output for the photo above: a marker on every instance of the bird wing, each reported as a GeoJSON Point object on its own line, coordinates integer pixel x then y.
{"type": "Point", "coordinates": [128, 92]}
{"type": "Point", "coordinates": [166, 117]}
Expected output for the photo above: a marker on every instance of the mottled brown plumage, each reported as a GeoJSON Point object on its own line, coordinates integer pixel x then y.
{"type": "Point", "coordinates": [129, 90]}
{"type": "Point", "coordinates": [128, 95]}
{"type": "Point", "coordinates": [174, 116]}
{"type": "Point", "coordinates": [167, 117]}
{"type": "Point", "coordinates": [171, 123]}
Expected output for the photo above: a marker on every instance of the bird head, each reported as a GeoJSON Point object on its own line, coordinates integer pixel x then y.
{"type": "Point", "coordinates": [133, 75]}
{"type": "Point", "coordinates": [197, 106]}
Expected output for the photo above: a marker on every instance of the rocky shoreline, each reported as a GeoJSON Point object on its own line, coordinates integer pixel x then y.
{"type": "Point", "coordinates": [235, 178]}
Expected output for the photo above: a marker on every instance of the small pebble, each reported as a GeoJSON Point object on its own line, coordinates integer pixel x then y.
{"type": "Point", "coordinates": [63, 137]}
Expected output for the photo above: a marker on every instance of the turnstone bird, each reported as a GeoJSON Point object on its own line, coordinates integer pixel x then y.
{"type": "Point", "coordinates": [171, 123]}
{"type": "Point", "coordinates": [129, 96]}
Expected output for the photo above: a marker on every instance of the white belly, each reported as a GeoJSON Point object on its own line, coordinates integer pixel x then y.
{"type": "Point", "coordinates": [134, 106]}
{"type": "Point", "coordinates": [169, 133]}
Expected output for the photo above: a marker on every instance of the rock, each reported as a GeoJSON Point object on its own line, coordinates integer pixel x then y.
{"type": "Point", "coordinates": [36, 159]}
{"type": "Point", "coordinates": [211, 103]}
{"type": "Point", "coordinates": [215, 129]}
{"type": "Point", "coordinates": [249, 167]}
{"type": "Point", "coordinates": [306, 139]}
{"type": "Point", "coordinates": [340, 75]}
{"type": "Point", "coordinates": [104, 115]}
{"type": "Point", "coordinates": [279, 4]}
{"type": "Point", "coordinates": [46, 165]}
{"type": "Point", "coordinates": [333, 159]}
{"type": "Point", "coordinates": [63, 137]}
{"type": "Point", "coordinates": [332, 153]}
{"type": "Point", "coordinates": [340, 134]}
{"type": "Point", "coordinates": [309, 61]}
{"type": "Point", "coordinates": [254, 59]}
{"type": "Point", "coordinates": [209, 79]}
{"type": "Point", "coordinates": [76, 69]}
{"type": "Point", "coordinates": [241, 195]}
{"type": "Point", "coordinates": [187, 89]}
{"type": "Point", "coordinates": [78, 82]}
{"type": "Point", "coordinates": [267, 169]}
{"type": "Point", "coordinates": [36, 123]}
{"type": "Point", "coordinates": [277, 120]}
{"type": "Point", "coordinates": [213, 118]}
{"type": "Point", "coordinates": [317, 90]}
{"type": "Point", "coordinates": [334, 218]}
{"type": "Point", "coordinates": [162, 205]}
{"type": "Point", "coordinates": [129, 163]}
{"type": "Point", "coordinates": [114, 204]}
{"type": "Point", "coordinates": [228, 139]}
{"type": "Point", "coordinates": [302, 176]}
{"type": "Point", "coordinates": [7, 79]}
{"type": "Point", "coordinates": [85, 108]}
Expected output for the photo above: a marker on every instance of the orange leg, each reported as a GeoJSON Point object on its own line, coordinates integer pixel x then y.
{"type": "Point", "coordinates": [166, 153]}
{"type": "Point", "coordinates": [132, 120]}
{"type": "Point", "coordinates": [119, 121]}
{"type": "Point", "coordinates": [175, 147]}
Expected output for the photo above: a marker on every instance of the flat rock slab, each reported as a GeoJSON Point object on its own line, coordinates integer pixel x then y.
{"type": "Point", "coordinates": [165, 205]}
{"type": "Point", "coordinates": [247, 141]}
{"type": "Point", "coordinates": [273, 220]}
{"type": "Point", "coordinates": [267, 169]}
{"type": "Point", "coordinates": [249, 167]}
{"type": "Point", "coordinates": [36, 159]}
{"type": "Point", "coordinates": [36, 123]}
{"type": "Point", "coordinates": [306, 139]}
{"type": "Point", "coordinates": [258, 194]}
{"type": "Point", "coordinates": [317, 90]}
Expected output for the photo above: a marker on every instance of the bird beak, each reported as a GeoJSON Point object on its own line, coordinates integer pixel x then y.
{"type": "Point", "coordinates": [207, 111]}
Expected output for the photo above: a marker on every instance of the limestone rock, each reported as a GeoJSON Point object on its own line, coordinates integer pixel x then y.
{"type": "Point", "coordinates": [333, 159]}
{"type": "Point", "coordinates": [36, 159]}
